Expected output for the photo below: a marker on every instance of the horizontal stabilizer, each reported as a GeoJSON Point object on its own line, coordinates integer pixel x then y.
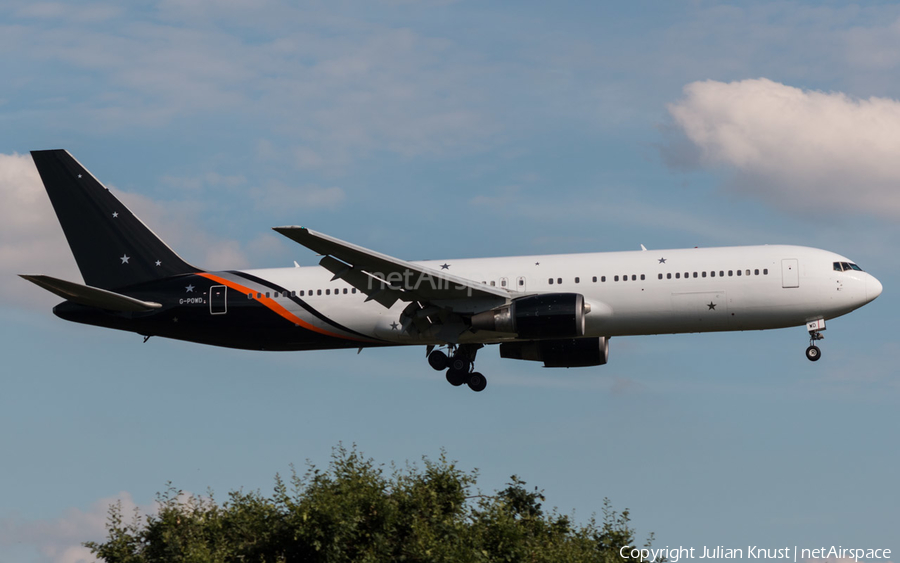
{"type": "Point", "coordinates": [91, 296]}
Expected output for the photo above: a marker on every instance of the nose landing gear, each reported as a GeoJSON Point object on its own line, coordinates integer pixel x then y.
{"type": "Point", "coordinates": [813, 353]}
{"type": "Point", "coordinates": [814, 328]}
{"type": "Point", "coordinates": [459, 365]}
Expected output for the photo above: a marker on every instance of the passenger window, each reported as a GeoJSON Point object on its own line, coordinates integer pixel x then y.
{"type": "Point", "coordinates": [577, 280]}
{"type": "Point", "coordinates": [668, 276]}
{"type": "Point", "coordinates": [595, 279]}
{"type": "Point", "coordinates": [353, 290]}
{"type": "Point", "coordinates": [267, 295]}
{"type": "Point", "coordinates": [318, 292]}
{"type": "Point", "coordinates": [755, 272]}
{"type": "Point", "coordinates": [633, 277]}
{"type": "Point", "coordinates": [345, 291]}
{"type": "Point", "coordinates": [730, 273]}
{"type": "Point", "coordinates": [695, 274]}
{"type": "Point", "coordinates": [259, 295]}
{"type": "Point", "coordinates": [765, 271]}
{"type": "Point", "coordinates": [558, 280]}
{"type": "Point", "coordinates": [687, 275]}
{"type": "Point", "coordinates": [503, 283]}
{"type": "Point", "coordinates": [493, 284]}
{"type": "Point", "coordinates": [616, 278]}
{"type": "Point", "coordinates": [302, 293]}
{"type": "Point", "coordinates": [550, 281]}
{"type": "Point", "coordinates": [703, 274]}
{"type": "Point", "coordinates": [748, 272]}
{"type": "Point", "coordinates": [625, 278]}
{"type": "Point", "coordinates": [721, 273]}
{"type": "Point", "coordinates": [660, 276]}
{"type": "Point", "coordinates": [677, 275]}
{"type": "Point", "coordinates": [327, 292]}
{"type": "Point", "coordinates": [642, 277]}
{"type": "Point", "coordinates": [603, 278]}
{"type": "Point", "coordinates": [249, 296]}
{"type": "Point", "coordinates": [712, 274]}
{"type": "Point", "coordinates": [739, 272]}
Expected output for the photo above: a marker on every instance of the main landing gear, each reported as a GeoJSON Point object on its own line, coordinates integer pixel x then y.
{"type": "Point", "coordinates": [460, 364]}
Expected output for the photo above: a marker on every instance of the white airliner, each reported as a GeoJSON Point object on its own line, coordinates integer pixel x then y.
{"type": "Point", "coordinates": [559, 309]}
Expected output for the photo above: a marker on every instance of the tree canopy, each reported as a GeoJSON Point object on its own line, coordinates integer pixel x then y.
{"type": "Point", "coordinates": [357, 511]}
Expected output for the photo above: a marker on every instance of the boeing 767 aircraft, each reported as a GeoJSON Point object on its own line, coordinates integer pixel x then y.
{"type": "Point", "coordinates": [558, 309]}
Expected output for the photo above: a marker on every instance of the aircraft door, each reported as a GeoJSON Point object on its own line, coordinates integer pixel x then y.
{"type": "Point", "coordinates": [520, 284]}
{"type": "Point", "coordinates": [218, 304]}
{"type": "Point", "coordinates": [790, 273]}
{"type": "Point", "coordinates": [504, 283]}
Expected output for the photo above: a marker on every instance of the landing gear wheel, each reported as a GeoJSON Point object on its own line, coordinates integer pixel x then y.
{"type": "Point", "coordinates": [460, 363]}
{"type": "Point", "coordinates": [438, 360]}
{"type": "Point", "coordinates": [813, 353]}
{"type": "Point", "coordinates": [477, 382]}
{"type": "Point", "coordinates": [456, 378]}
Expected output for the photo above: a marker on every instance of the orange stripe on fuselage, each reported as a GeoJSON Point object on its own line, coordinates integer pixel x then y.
{"type": "Point", "coordinates": [275, 306]}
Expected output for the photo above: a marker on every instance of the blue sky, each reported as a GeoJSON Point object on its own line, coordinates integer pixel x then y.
{"type": "Point", "coordinates": [459, 129]}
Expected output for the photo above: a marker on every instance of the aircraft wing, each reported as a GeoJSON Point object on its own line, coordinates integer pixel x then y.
{"type": "Point", "coordinates": [387, 279]}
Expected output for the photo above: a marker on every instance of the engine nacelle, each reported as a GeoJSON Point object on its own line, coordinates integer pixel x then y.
{"type": "Point", "coordinates": [566, 353]}
{"type": "Point", "coordinates": [552, 315]}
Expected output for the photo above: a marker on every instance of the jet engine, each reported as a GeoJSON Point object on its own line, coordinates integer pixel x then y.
{"type": "Point", "coordinates": [565, 353]}
{"type": "Point", "coordinates": [552, 315]}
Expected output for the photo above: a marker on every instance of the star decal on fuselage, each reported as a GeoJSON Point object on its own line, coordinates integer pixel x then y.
{"type": "Point", "coordinates": [158, 263]}
{"type": "Point", "coordinates": [124, 258]}
{"type": "Point", "coordinates": [115, 214]}
{"type": "Point", "coordinates": [445, 266]}
{"type": "Point", "coordinates": [712, 306]}
{"type": "Point", "coordinates": [189, 289]}
{"type": "Point", "coordinates": [394, 326]}
{"type": "Point", "coordinates": [662, 260]}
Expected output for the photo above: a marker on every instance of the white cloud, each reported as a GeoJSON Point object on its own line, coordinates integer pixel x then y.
{"type": "Point", "coordinates": [343, 86]}
{"type": "Point", "coordinates": [31, 240]}
{"type": "Point", "coordinates": [798, 149]}
{"type": "Point", "coordinates": [58, 540]}
{"type": "Point", "coordinates": [278, 197]}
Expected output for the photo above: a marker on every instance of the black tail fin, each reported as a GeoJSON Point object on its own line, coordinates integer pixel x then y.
{"type": "Point", "coordinates": [112, 247]}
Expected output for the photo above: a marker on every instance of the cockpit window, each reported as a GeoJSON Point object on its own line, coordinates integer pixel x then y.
{"type": "Point", "coordinates": [846, 266]}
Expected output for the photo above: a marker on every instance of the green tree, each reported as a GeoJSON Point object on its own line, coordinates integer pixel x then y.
{"type": "Point", "coordinates": [356, 511]}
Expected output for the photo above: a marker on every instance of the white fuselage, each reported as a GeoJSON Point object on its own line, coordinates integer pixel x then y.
{"type": "Point", "coordinates": [629, 293]}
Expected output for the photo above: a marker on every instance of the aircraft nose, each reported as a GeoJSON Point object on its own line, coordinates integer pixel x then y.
{"type": "Point", "coordinates": [873, 288]}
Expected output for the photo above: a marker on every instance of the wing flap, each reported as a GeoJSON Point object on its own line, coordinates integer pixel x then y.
{"type": "Point", "coordinates": [401, 279]}
{"type": "Point", "coordinates": [374, 288]}
{"type": "Point", "coordinates": [91, 296]}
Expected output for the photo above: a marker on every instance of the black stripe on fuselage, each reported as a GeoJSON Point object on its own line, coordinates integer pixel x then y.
{"type": "Point", "coordinates": [302, 303]}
